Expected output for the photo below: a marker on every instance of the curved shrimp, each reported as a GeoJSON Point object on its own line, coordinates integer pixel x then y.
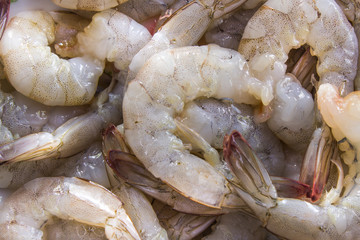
{"type": "Point", "coordinates": [276, 28]}
{"type": "Point", "coordinates": [50, 80]}
{"type": "Point", "coordinates": [159, 92]}
{"type": "Point", "coordinates": [88, 5]}
{"type": "Point", "coordinates": [36, 72]}
{"type": "Point", "coordinates": [336, 217]}
{"type": "Point", "coordinates": [31, 206]}
{"type": "Point", "coordinates": [279, 26]}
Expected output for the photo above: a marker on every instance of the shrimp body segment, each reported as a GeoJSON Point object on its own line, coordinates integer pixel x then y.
{"type": "Point", "coordinates": [25, 212]}
{"type": "Point", "coordinates": [88, 5]}
{"type": "Point", "coordinates": [39, 74]}
{"type": "Point", "coordinates": [159, 93]}
{"type": "Point", "coordinates": [279, 26]}
{"type": "Point", "coordinates": [113, 36]}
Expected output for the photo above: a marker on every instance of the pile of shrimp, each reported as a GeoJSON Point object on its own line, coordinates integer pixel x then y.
{"type": "Point", "coordinates": [177, 119]}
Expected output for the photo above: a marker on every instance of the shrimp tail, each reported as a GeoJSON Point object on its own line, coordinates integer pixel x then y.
{"type": "Point", "coordinates": [253, 183]}
{"type": "Point", "coordinates": [31, 147]}
{"type": "Point", "coordinates": [4, 15]}
{"type": "Point", "coordinates": [316, 164]}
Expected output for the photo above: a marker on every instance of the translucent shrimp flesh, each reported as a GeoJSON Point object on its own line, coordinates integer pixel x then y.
{"type": "Point", "coordinates": [31, 206]}
{"type": "Point", "coordinates": [113, 36]}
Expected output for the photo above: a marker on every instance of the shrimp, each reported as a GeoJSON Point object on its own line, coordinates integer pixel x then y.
{"type": "Point", "coordinates": [88, 5]}
{"type": "Point", "coordinates": [36, 72]}
{"type": "Point", "coordinates": [276, 28]}
{"type": "Point", "coordinates": [279, 26]}
{"type": "Point", "coordinates": [185, 27]}
{"type": "Point", "coordinates": [148, 110]}
{"type": "Point", "coordinates": [335, 217]}
{"type": "Point", "coordinates": [111, 35]}
{"type": "Point", "coordinates": [31, 206]}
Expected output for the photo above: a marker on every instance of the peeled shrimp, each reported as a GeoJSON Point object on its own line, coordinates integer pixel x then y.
{"type": "Point", "coordinates": [36, 72]}
{"type": "Point", "coordinates": [279, 26]}
{"type": "Point", "coordinates": [88, 5]}
{"type": "Point", "coordinates": [167, 82]}
{"type": "Point", "coordinates": [30, 207]}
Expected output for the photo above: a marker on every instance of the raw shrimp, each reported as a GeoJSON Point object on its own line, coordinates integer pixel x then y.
{"type": "Point", "coordinates": [185, 27]}
{"type": "Point", "coordinates": [279, 26]}
{"type": "Point", "coordinates": [276, 28]}
{"type": "Point", "coordinates": [88, 5]}
{"type": "Point", "coordinates": [336, 217]}
{"type": "Point", "coordinates": [167, 82]}
{"type": "Point", "coordinates": [30, 207]}
{"type": "Point", "coordinates": [36, 72]}
{"type": "Point", "coordinates": [71, 137]}
{"type": "Point", "coordinates": [113, 36]}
